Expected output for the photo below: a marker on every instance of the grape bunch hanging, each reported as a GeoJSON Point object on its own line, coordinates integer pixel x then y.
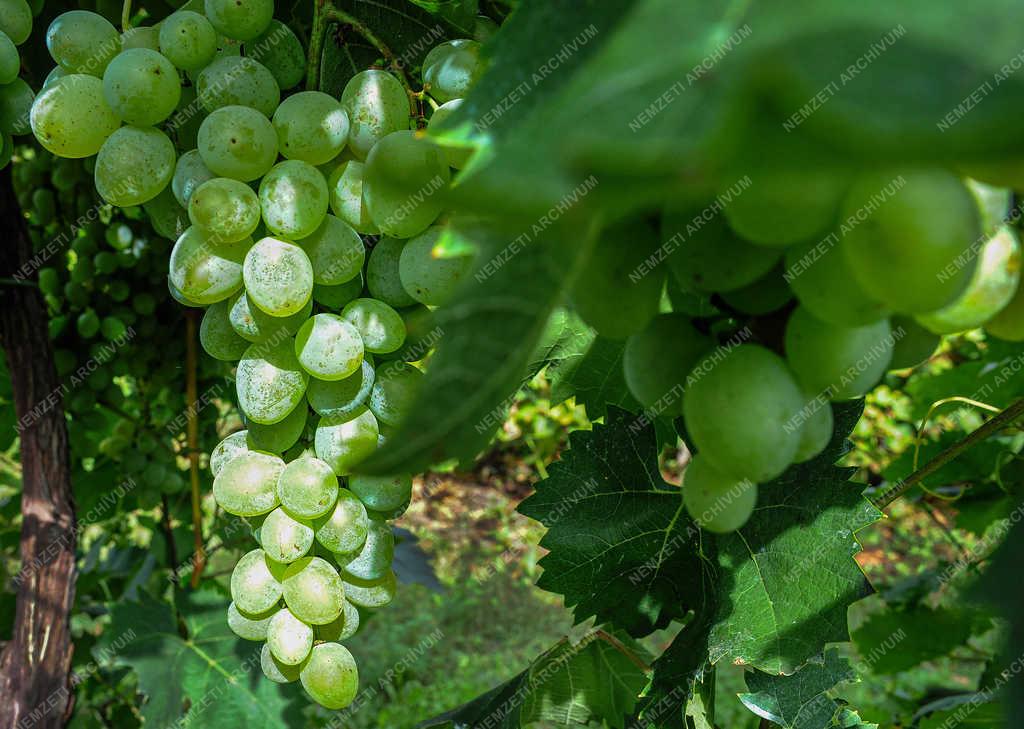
{"type": "Point", "coordinates": [274, 204]}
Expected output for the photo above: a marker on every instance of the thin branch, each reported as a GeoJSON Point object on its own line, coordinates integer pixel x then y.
{"type": "Point", "coordinates": [317, 35]}
{"type": "Point", "coordinates": [1003, 419]}
{"type": "Point", "coordinates": [618, 645]}
{"type": "Point", "coordinates": [191, 358]}
{"type": "Point", "coordinates": [126, 15]}
{"type": "Point", "coordinates": [18, 282]}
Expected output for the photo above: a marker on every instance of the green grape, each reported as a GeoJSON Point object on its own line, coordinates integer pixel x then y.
{"type": "Point", "coordinates": [238, 142]}
{"type": "Point", "coordinates": [206, 273]}
{"type": "Point", "coordinates": [249, 627]}
{"type": "Point", "coordinates": [907, 256]}
{"type": "Point", "coordinates": [238, 81]}
{"type": "Point", "coordinates": [330, 676]}
{"type": "Point", "coordinates": [377, 105]}
{"type": "Point", "coordinates": [374, 559]}
{"type": "Point", "coordinates": [816, 428]}
{"type": "Point", "coordinates": [279, 50]}
{"type": "Point", "coordinates": [395, 389]}
{"type": "Point", "coordinates": [70, 117]}
{"type": "Point", "coordinates": [336, 252]}
{"type": "Point", "coordinates": [383, 277]}
{"type": "Point", "coordinates": [343, 441]}
{"type": "Point", "coordinates": [16, 20]}
{"type": "Point", "coordinates": [141, 86]}
{"type": "Point", "coordinates": [427, 278]}
{"type": "Point", "coordinates": [311, 127]}
{"type": "Point", "coordinates": [458, 157]}
{"type": "Point", "coordinates": [188, 40]}
{"type": "Point", "coordinates": [658, 358]}
{"type": "Point", "coordinates": [344, 627]}
{"type": "Point", "coordinates": [993, 204]}
{"type": "Point", "coordinates": [992, 286]}
{"type": "Point", "coordinates": [617, 263]}
{"type": "Point", "coordinates": [256, 582]}
{"type": "Point", "coordinates": [767, 294]}
{"type": "Point", "coordinates": [112, 328]}
{"type": "Point", "coordinates": [341, 397]}
{"type": "Point", "coordinates": [134, 165]}
{"type": "Point", "coordinates": [278, 277]}
{"type": "Point", "coordinates": [226, 210]}
{"type": "Point", "coordinates": [313, 591]}
{"type": "Point", "coordinates": [242, 20]}
{"type": "Point", "coordinates": [270, 382]}
{"type": "Point", "coordinates": [56, 73]}
{"type": "Point", "coordinates": [484, 28]}
{"type": "Point", "coordinates": [404, 184]}
{"type": "Point", "coordinates": [247, 485]}
{"type": "Point", "coordinates": [234, 445]}
{"type": "Point", "coordinates": [382, 493]}
{"type": "Point", "coordinates": [178, 296]}
{"type": "Point", "coordinates": [786, 206]}
{"type": "Point", "coordinates": [10, 60]}
{"type": "Point", "coordinates": [707, 256]}
{"type": "Point", "coordinates": [290, 640]}
{"type": "Point", "coordinates": [452, 68]}
{"type": "Point", "coordinates": [345, 527]}
{"type": "Point", "coordinates": [275, 670]}
{"type": "Point", "coordinates": [82, 42]}
{"type": "Point", "coordinates": [88, 324]}
{"type": "Point", "coordinates": [737, 406]}
{"type": "Point", "coordinates": [294, 199]}
{"type": "Point", "coordinates": [838, 362]}
{"type": "Point", "coordinates": [335, 297]}
{"type": "Point", "coordinates": [141, 37]}
{"type": "Point", "coordinates": [718, 502]}
{"type": "Point", "coordinates": [1008, 324]}
{"type": "Point", "coordinates": [328, 347]}
{"type": "Point", "coordinates": [371, 595]}
{"type": "Point", "coordinates": [345, 187]}
{"type": "Point", "coordinates": [255, 326]}
{"type": "Point", "coordinates": [285, 539]}
{"type": "Point", "coordinates": [380, 327]}
{"type": "Point", "coordinates": [308, 488]}
{"type": "Point", "coordinates": [189, 173]}
{"type": "Point", "coordinates": [168, 218]}
{"type": "Point", "coordinates": [824, 284]}
{"type": "Point", "coordinates": [279, 437]}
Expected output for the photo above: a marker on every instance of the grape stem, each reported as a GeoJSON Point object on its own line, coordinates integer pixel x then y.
{"type": "Point", "coordinates": [18, 282]}
{"type": "Point", "coordinates": [191, 395]}
{"type": "Point", "coordinates": [126, 15]}
{"type": "Point", "coordinates": [325, 13]}
{"type": "Point", "coordinates": [618, 645]}
{"type": "Point", "coordinates": [1006, 417]}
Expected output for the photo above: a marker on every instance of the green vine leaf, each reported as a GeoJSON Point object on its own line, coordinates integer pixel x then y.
{"type": "Point", "coordinates": [580, 683]}
{"type": "Point", "coordinates": [800, 701]}
{"type": "Point", "coordinates": [206, 677]}
{"type": "Point", "coordinates": [595, 379]}
{"type": "Point", "coordinates": [622, 547]}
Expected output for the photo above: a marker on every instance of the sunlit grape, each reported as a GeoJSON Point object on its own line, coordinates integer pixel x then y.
{"type": "Point", "coordinates": [345, 527]}
{"type": "Point", "coordinates": [247, 484]}
{"type": "Point", "coordinates": [313, 591]}
{"type": "Point", "coordinates": [270, 381]}
{"type": "Point", "coordinates": [330, 676]}
{"type": "Point", "coordinates": [256, 583]}
{"type": "Point", "coordinates": [307, 488]}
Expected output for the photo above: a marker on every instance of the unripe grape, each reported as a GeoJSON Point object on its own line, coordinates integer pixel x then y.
{"type": "Point", "coordinates": [383, 277]}
{"type": "Point", "coordinates": [279, 437]}
{"type": "Point", "coordinates": [452, 68]}
{"type": "Point", "coordinates": [234, 445]}
{"type": "Point", "coordinates": [270, 381]}
{"type": "Point", "coordinates": [307, 488]}
{"type": "Point", "coordinates": [380, 327]}
{"type": "Point", "coordinates": [10, 60]}
{"type": "Point", "coordinates": [341, 397]}
{"type": "Point", "coordinates": [189, 173]}
{"type": "Point", "coordinates": [457, 157]}
{"type": "Point", "coordinates": [279, 50]}
{"type": "Point", "coordinates": [141, 37]}
{"type": "Point", "coordinates": [404, 184]}
{"type": "Point", "coordinates": [255, 326]}
{"type": "Point", "coordinates": [427, 278]}
{"type": "Point", "coordinates": [237, 81]}
{"type": "Point", "coordinates": [335, 251]}
{"type": "Point", "coordinates": [823, 282]}
{"type": "Point", "coordinates": [238, 142]}
{"type": "Point", "coordinates": [395, 388]}
{"type": "Point", "coordinates": [343, 441]}
{"type": "Point", "coordinates": [240, 19]}
{"type": "Point", "coordinates": [342, 628]}
{"type": "Point", "coordinates": [345, 187]}
{"type": "Point", "coordinates": [188, 40]}
{"type": "Point", "coordinates": [741, 407]}
{"type": "Point", "coordinates": [278, 277]}
{"type": "Point", "coordinates": [226, 210]}
{"type": "Point", "coordinates": [275, 670]}
{"type": "Point", "coordinates": [816, 430]}
{"type": "Point", "coordinates": [330, 676]}
{"type": "Point", "coordinates": [344, 529]}
{"type": "Point", "coordinates": [294, 199]}
{"type": "Point", "coordinates": [256, 582]}
{"type": "Point", "coordinates": [82, 42]}
{"type": "Point", "coordinates": [311, 126]}
{"type": "Point", "coordinates": [373, 562]}
{"type": "Point", "coordinates": [285, 539]}
{"type": "Point", "coordinates": [246, 485]}
{"type": "Point", "coordinates": [71, 118]}
{"type": "Point", "coordinates": [377, 105]}
{"type": "Point", "coordinates": [373, 594]}
{"type": "Point", "coordinates": [204, 272]}
{"type": "Point", "coordinates": [141, 86]}
{"type": "Point", "coordinates": [335, 297]}
{"type": "Point", "coordinates": [313, 591]}
{"type": "Point", "coordinates": [16, 20]}
{"type": "Point", "coordinates": [134, 165]}
{"type": "Point", "coordinates": [657, 360]}
{"type": "Point", "coordinates": [249, 627]}
{"type": "Point", "coordinates": [716, 501]}
{"type": "Point", "coordinates": [328, 347]}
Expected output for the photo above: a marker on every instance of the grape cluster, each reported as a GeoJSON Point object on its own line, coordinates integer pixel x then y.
{"type": "Point", "coordinates": [15, 94]}
{"type": "Point", "coordinates": [880, 264]}
{"type": "Point", "coordinates": [306, 227]}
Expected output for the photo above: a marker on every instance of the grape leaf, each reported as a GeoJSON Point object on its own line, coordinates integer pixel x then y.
{"type": "Point", "coordinates": [799, 701]}
{"type": "Point", "coordinates": [409, 29]}
{"type": "Point", "coordinates": [678, 683]}
{"type": "Point", "coordinates": [570, 683]}
{"type": "Point", "coordinates": [555, 102]}
{"type": "Point", "coordinates": [489, 333]}
{"type": "Point", "coordinates": [791, 572]}
{"type": "Point", "coordinates": [565, 341]}
{"type": "Point", "coordinates": [964, 711]}
{"type": "Point", "coordinates": [622, 547]}
{"type": "Point", "coordinates": [203, 673]}
{"type": "Point", "coordinates": [595, 378]}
